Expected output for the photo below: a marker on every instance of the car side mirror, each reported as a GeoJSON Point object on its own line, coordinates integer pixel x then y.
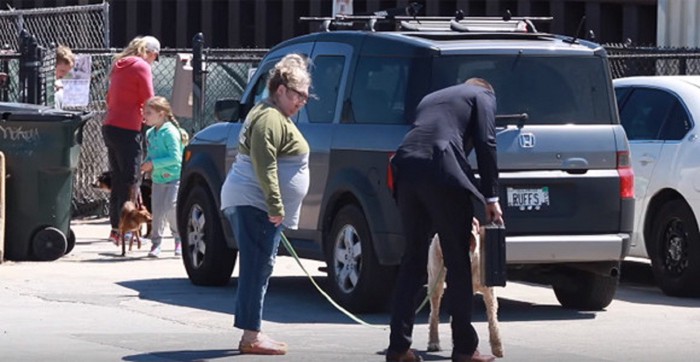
{"type": "Point", "coordinates": [227, 109]}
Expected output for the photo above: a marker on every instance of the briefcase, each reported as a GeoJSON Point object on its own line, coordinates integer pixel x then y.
{"type": "Point", "coordinates": [493, 256]}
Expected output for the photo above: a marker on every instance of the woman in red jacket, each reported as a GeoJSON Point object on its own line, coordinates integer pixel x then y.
{"type": "Point", "coordinates": [130, 85]}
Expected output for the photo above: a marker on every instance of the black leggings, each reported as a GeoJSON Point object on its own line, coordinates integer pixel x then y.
{"type": "Point", "coordinates": [125, 154]}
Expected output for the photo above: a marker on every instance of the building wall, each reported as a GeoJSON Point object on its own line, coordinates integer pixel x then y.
{"type": "Point", "coordinates": [679, 23]}
{"type": "Point", "coordinates": [264, 23]}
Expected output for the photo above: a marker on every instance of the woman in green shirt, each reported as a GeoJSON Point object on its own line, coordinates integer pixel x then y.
{"type": "Point", "coordinates": [263, 191]}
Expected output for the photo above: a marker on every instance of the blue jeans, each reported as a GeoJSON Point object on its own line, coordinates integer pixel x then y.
{"type": "Point", "coordinates": [258, 241]}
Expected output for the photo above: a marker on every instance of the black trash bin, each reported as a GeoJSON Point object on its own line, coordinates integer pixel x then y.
{"type": "Point", "coordinates": [42, 148]}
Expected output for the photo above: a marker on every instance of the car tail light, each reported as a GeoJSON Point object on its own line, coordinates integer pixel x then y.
{"type": "Point", "coordinates": [624, 169]}
{"type": "Point", "coordinates": [390, 174]}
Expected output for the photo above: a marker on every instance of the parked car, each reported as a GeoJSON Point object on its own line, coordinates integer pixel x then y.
{"type": "Point", "coordinates": [567, 186]}
{"type": "Point", "coordinates": [659, 114]}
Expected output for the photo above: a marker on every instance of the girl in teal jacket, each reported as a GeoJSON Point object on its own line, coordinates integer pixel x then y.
{"type": "Point", "coordinates": [165, 142]}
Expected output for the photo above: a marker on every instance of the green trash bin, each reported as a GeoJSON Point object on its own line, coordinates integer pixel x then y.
{"type": "Point", "coordinates": [42, 148]}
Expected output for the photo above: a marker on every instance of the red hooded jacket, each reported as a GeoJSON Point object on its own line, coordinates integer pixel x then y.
{"type": "Point", "coordinates": [130, 86]}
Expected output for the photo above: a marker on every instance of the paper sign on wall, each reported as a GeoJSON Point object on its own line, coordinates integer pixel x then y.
{"type": "Point", "coordinates": [76, 85]}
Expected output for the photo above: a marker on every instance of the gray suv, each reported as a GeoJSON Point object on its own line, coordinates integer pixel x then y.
{"type": "Point", "coordinates": [566, 181]}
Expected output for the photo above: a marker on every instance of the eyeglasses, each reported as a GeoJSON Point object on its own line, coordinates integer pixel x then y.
{"type": "Point", "coordinates": [300, 95]}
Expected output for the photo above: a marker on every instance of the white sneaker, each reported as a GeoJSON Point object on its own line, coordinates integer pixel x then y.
{"type": "Point", "coordinates": [155, 251]}
{"type": "Point", "coordinates": [178, 248]}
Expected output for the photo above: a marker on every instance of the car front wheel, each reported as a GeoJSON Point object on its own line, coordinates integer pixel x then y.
{"type": "Point", "coordinates": [674, 250]}
{"type": "Point", "coordinates": [358, 281]}
{"type": "Point", "coordinates": [207, 258]}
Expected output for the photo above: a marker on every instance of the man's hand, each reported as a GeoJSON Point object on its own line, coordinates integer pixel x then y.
{"type": "Point", "coordinates": [494, 213]}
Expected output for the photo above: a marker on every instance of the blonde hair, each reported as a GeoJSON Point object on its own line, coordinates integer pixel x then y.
{"type": "Point", "coordinates": [291, 71]}
{"type": "Point", "coordinates": [65, 55]}
{"type": "Point", "coordinates": [139, 46]}
{"type": "Point", "coordinates": [161, 104]}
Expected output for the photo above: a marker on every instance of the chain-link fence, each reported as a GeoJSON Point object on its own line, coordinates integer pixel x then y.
{"type": "Point", "coordinates": [627, 61]}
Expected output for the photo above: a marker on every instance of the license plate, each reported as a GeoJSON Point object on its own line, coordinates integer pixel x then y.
{"type": "Point", "coordinates": [528, 199]}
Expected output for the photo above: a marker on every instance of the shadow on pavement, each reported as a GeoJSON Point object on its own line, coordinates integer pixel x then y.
{"type": "Point", "coordinates": [292, 299]}
{"type": "Point", "coordinates": [194, 356]}
{"type": "Point", "coordinates": [637, 285]}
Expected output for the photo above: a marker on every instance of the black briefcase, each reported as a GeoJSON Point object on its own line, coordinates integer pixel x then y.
{"type": "Point", "coordinates": [493, 256]}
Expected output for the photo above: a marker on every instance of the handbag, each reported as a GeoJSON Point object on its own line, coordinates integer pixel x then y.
{"type": "Point", "coordinates": [493, 255]}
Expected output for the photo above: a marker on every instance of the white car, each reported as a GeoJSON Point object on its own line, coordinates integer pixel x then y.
{"type": "Point", "coordinates": [660, 115]}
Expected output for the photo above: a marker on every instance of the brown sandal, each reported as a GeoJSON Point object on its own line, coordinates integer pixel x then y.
{"type": "Point", "coordinates": [265, 346]}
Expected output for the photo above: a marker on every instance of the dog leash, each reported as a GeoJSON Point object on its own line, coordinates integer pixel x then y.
{"type": "Point", "coordinates": [293, 253]}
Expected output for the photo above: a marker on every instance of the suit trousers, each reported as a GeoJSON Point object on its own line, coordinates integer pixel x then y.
{"type": "Point", "coordinates": [427, 208]}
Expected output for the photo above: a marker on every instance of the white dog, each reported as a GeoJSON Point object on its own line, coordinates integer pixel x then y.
{"type": "Point", "coordinates": [435, 266]}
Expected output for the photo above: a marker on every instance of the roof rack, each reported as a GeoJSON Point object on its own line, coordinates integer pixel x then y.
{"type": "Point", "coordinates": [458, 23]}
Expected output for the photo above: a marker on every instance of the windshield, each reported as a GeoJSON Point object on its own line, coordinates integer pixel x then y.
{"type": "Point", "coordinates": [551, 90]}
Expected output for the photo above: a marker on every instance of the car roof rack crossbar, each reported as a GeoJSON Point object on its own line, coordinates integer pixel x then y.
{"type": "Point", "coordinates": [456, 23]}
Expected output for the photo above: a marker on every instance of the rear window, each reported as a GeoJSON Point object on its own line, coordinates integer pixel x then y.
{"type": "Point", "coordinates": [551, 90]}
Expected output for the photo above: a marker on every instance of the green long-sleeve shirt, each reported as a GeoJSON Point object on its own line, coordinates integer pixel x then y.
{"type": "Point", "coordinates": [266, 136]}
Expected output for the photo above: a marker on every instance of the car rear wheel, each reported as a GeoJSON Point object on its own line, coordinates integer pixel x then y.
{"type": "Point", "coordinates": [207, 258]}
{"type": "Point", "coordinates": [674, 250]}
{"type": "Point", "coordinates": [358, 281]}
{"type": "Point", "coordinates": [586, 291]}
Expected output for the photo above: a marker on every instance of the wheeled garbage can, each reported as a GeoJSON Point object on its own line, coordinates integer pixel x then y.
{"type": "Point", "coordinates": [42, 148]}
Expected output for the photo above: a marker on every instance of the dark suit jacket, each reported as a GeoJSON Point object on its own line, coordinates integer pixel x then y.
{"type": "Point", "coordinates": [450, 123]}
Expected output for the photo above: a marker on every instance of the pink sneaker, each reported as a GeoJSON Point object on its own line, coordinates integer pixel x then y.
{"type": "Point", "coordinates": [114, 237]}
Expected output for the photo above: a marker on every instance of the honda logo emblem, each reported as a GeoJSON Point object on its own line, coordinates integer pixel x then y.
{"type": "Point", "coordinates": [526, 140]}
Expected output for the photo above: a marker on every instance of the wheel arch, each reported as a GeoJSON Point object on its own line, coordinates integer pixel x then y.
{"type": "Point", "coordinates": [202, 171]}
{"type": "Point", "coordinates": [652, 210]}
{"type": "Point", "coordinates": [351, 188]}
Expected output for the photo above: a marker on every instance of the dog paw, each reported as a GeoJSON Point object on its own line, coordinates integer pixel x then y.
{"type": "Point", "coordinates": [434, 347]}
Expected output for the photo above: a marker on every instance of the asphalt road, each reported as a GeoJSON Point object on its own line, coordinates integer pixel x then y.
{"type": "Point", "coordinates": [93, 305]}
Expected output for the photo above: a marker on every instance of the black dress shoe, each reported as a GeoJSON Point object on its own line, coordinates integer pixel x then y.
{"type": "Point", "coordinates": [408, 355]}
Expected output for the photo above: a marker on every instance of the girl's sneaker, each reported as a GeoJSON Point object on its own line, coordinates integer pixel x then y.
{"type": "Point", "coordinates": [114, 237]}
{"type": "Point", "coordinates": [155, 251]}
{"type": "Point", "coordinates": [178, 248]}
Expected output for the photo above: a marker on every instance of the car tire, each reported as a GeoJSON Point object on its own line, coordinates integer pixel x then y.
{"type": "Point", "coordinates": [586, 291]}
{"type": "Point", "coordinates": [207, 258]}
{"type": "Point", "coordinates": [358, 282]}
{"type": "Point", "coordinates": [674, 250]}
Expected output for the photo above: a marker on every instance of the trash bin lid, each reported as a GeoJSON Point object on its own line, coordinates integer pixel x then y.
{"type": "Point", "coordinates": [13, 111]}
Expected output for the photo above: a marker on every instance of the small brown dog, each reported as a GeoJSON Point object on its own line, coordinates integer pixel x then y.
{"type": "Point", "coordinates": [104, 182]}
{"type": "Point", "coordinates": [436, 269]}
{"type": "Point", "coordinates": [131, 220]}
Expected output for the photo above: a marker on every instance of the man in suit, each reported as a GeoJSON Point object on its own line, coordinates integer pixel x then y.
{"type": "Point", "coordinates": [435, 188]}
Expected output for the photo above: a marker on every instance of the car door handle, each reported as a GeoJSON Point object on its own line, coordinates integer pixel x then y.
{"type": "Point", "coordinates": [646, 159]}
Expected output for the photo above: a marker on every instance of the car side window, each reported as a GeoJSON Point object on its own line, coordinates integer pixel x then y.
{"type": "Point", "coordinates": [644, 112]}
{"type": "Point", "coordinates": [325, 75]}
{"type": "Point", "coordinates": [260, 90]}
{"type": "Point", "coordinates": [379, 90]}
{"type": "Point", "coordinates": [677, 124]}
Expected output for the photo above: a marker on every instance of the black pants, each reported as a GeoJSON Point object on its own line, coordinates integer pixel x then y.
{"type": "Point", "coordinates": [425, 209]}
{"type": "Point", "coordinates": [125, 154]}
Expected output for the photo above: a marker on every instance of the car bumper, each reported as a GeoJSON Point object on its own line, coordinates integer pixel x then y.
{"type": "Point", "coordinates": [549, 249]}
